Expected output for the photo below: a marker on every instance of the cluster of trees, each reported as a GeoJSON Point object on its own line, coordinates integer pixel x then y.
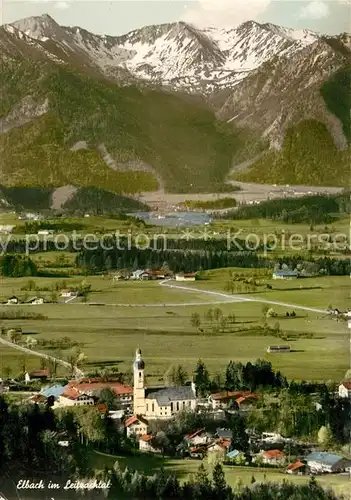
{"type": "Point", "coordinates": [238, 376]}
{"type": "Point", "coordinates": [295, 414]}
{"type": "Point", "coordinates": [100, 260]}
{"type": "Point", "coordinates": [214, 321]}
{"type": "Point", "coordinates": [20, 314]}
{"type": "Point", "coordinates": [15, 266]}
{"type": "Point", "coordinates": [97, 201]}
{"type": "Point", "coordinates": [315, 209]}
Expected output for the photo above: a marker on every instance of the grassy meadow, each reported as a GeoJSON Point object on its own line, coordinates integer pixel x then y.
{"type": "Point", "coordinates": [158, 320]}
{"type": "Point", "coordinates": [184, 468]}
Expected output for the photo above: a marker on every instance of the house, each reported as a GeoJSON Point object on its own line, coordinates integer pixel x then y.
{"type": "Point", "coordinates": [278, 348]}
{"type": "Point", "coordinates": [234, 455]}
{"type": "Point", "coordinates": [13, 300]}
{"type": "Point", "coordinates": [39, 374]}
{"type": "Point", "coordinates": [322, 461]}
{"type": "Point", "coordinates": [145, 444]}
{"type": "Point", "coordinates": [297, 468]}
{"type": "Point", "coordinates": [284, 275]}
{"type": "Point", "coordinates": [197, 452]}
{"type": "Point", "coordinates": [136, 275]}
{"type": "Point", "coordinates": [154, 274]}
{"type": "Point", "coordinates": [220, 446]}
{"type": "Point", "coordinates": [224, 399]}
{"type": "Point", "coordinates": [35, 301]}
{"type": "Point", "coordinates": [273, 457]}
{"type": "Point", "coordinates": [271, 437]}
{"type": "Point", "coordinates": [159, 402]}
{"type": "Point", "coordinates": [185, 277]}
{"type": "Point", "coordinates": [246, 403]}
{"type": "Point", "coordinates": [92, 386]}
{"type": "Point", "coordinates": [48, 394]}
{"type": "Point", "coordinates": [71, 397]}
{"type": "Point", "coordinates": [67, 293]}
{"type": "Point", "coordinates": [136, 426]}
{"type": "Point", "coordinates": [200, 437]}
{"type": "Point", "coordinates": [345, 389]}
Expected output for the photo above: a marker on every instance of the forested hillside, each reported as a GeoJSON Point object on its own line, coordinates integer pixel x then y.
{"type": "Point", "coordinates": [147, 133]}
{"type": "Point", "coordinates": [308, 156]}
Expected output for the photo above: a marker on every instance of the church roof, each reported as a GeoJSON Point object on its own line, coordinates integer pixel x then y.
{"type": "Point", "coordinates": [165, 395]}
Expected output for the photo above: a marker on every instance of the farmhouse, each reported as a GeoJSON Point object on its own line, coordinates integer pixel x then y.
{"type": "Point", "coordinates": [186, 277]}
{"type": "Point", "coordinates": [39, 374]}
{"type": "Point", "coordinates": [13, 300]}
{"type": "Point", "coordinates": [284, 275]}
{"type": "Point", "coordinates": [327, 462]}
{"type": "Point", "coordinates": [278, 348]}
{"type": "Point", "coordinates": [273, 457]}
{"type": "Point", "coordinates": [92, 386]}
{"type": "Point", "coordinates": [159, 402]}
{"type": "Point", "coordinates": [224, 399]}
{"type": "Point", "coordinates": [35, 301]}
{"type": "Point", "coordinates": [137, 426]}
{"type": "Point", "coordinates": [297, 468]}
{"type": "Point", "coordinates": [345, 389]}
{"type": "Point", "coordinates": [71, 397]}
{"type": "Point", "coordinates": [68, 293]}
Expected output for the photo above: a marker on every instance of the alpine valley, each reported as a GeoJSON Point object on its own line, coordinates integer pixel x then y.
{"type": "Point", "coordinates": [172, 107]}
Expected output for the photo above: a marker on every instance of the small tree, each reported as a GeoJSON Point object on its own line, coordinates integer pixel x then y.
{"type": "Point", "coordinates": [195, 320]}
{"type": "Point", "coordinates": [325, 436]}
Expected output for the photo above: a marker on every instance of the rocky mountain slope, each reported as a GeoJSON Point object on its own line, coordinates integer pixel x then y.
{"type": "Point", "coordinates": [136, 112]}
{"type": "Point", "coordinates": [176, 54]}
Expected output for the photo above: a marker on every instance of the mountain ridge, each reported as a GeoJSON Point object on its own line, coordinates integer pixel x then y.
{"type": "Point", "coordinates": [169, 105]}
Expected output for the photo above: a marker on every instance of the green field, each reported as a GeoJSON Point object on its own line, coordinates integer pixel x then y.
{"type": "Point", "coordinates": [184, 468]}
{"type": "Point", "coordinates": [110, 333]}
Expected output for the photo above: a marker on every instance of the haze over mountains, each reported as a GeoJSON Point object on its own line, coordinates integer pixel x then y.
{"type": "Point", "coordinates": [262, 79]}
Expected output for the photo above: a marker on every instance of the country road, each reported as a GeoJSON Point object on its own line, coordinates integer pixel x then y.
{"type": "Point", "coordinates": [237, 298]}
{"type": "Point", "coordinates": [78, 373]}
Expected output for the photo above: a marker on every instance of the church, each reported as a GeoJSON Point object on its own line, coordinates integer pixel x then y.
{"type": "Point", "coordinates": [159, 402]}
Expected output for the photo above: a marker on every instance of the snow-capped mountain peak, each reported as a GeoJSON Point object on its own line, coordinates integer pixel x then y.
{"type": "Point", "coordinates": [175, 54]}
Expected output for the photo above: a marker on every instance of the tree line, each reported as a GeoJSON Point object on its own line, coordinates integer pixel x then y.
{"type": "Point", "coordinates": [313, 209]}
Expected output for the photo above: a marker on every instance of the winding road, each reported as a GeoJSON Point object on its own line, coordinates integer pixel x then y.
{"type": "Point", "coordinates": [78, 373]}
{"type": "Point", "coordinates": [237, 298]}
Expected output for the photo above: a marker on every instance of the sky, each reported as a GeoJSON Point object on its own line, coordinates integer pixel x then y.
{"type": "Point", "coordinates": [119, 17]}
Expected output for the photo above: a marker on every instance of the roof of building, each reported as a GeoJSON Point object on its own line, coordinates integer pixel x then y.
{"type": "Point", "coordinates": [296, 466]}
{"type": "Point", "coordinates": [135, 418]}
{"type": "Point", "coordinates": [40, 373]}
{"type": "Point", "coordinates": [249, 397]}
{"type": "Point", "coordinates": [233, 453]}
{"type": "Point", "coordinates": [164, 396]}
{"type": "Point", "coordinates": [223, 395]}
{"type": "Point", "coordinates": [194, 434]}
{"type": "Point", "coordinates": [96, 384]}
{"type": "Point", "coordinates": [53, 390]}
{"type": "Point", "coordinates": [146, 437]}
{"type": "Point", "coordinates": [37, 398]}
{"type": "Point", "coordinates": [347, 384]}
{"type": "Point", "coordinates": [286, 272]}
{"type": "Point", "coordinates": [324, 458]}
{"type": "Point", "coordinates": [223, 433]}
{"type": "Point", "coordinates": [274, 454]}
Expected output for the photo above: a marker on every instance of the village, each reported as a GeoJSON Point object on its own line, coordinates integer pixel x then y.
{"type": "Point", "coordinates": [140, 412]}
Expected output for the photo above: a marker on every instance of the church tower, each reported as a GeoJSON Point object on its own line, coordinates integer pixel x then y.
{"type": "Point", "coordinates": [139, 386]}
